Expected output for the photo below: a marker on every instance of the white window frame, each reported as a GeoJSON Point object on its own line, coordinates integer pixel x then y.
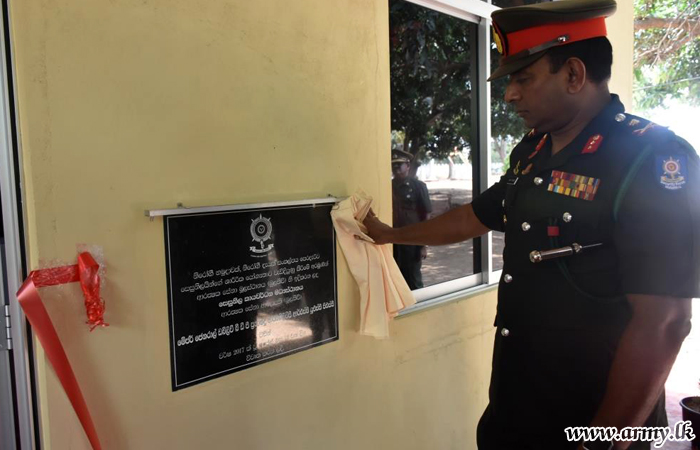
{"type": "Point", "coordinates": [479, 13]}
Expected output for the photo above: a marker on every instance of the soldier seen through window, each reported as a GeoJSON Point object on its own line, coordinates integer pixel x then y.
{"type": "Point", "coordinates": [411, 204]}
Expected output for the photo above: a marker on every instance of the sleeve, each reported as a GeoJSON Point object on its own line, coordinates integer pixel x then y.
{"type": "Point", "coordinates": [657, 232]}
{"type": "Point", "coordinates": [488, 206]}
{"type": "Point", "coordinates": [425, 205]}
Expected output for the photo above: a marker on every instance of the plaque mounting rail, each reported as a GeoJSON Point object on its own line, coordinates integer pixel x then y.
{"type": "Point", "coordinates": [181, 209]}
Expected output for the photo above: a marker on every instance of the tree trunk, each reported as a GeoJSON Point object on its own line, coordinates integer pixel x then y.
{"type": "Point", "coordinates": [414, 150]}
{"type": "Point", "coordinates": [500, 147]}
{"type": "Point", "coordinates": [690, 26]}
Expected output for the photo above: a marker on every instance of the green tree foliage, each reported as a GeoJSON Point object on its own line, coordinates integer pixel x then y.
{"type": "Point", "coordinates": [506, 126]}
{"type": "Point", "coordinates": [432, 67]}
{"type": "Point", "coordinates": [667, 52]}
{"type": "Point", "coordinates": [431, 89]}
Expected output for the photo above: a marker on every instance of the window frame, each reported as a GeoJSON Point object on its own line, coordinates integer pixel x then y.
{"type": "Point", "coordinates": [479, 13]}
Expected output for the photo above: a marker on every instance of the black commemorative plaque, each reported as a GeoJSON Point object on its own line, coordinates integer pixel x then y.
{"type": "Point", "coordinates": [248, 286]}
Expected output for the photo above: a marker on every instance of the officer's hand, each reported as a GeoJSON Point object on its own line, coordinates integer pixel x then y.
{"type": "Point", "coordinates": [423, 252]}
{"type": "Point", "coordinates": [376, 229]}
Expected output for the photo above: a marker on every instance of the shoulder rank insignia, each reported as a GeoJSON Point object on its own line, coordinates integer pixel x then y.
{"type": "Point", "coordinates": [642, 131]}
{"type": "Point", "coordinates": [633, 123]}
{"type": "Point", "coordinates": [572, 185]}
{"type": "Point", "coordinates": [671, 171]}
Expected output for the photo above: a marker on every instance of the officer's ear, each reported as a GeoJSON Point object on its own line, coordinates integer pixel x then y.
{"type": "Point", "coordinates": [576, 75]}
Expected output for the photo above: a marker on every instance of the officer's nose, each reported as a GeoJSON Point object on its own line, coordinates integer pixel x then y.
{"type": "Point", "coordinates": [512, 93]}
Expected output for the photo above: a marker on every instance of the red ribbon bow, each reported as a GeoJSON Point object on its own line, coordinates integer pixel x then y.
{"type": "Point", "coordinates": [86, 272]}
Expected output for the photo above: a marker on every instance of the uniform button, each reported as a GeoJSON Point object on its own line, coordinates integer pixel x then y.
{"type": "Point", "coordinates": [505, 332]}
{"type": "Point", "coordinates": [620, 117]}
{"type": "Point", "coordinates": [507, 278]}
{"type": "Point", "coordinates": [567, 217]}
{"type": "Point", "coordinates": [526, 226]}
{"type": "Point", "coordinates": [538, 181]}
{"type": "Point", "coordinates": [503, 203]}
{"type": "Point", "coordinates": [505, 219]}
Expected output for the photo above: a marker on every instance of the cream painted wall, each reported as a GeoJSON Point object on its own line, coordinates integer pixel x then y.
{"type": "Point", "coordinates": [130, 105]}
{"type": "Point", "coordinates": [621, 34]}
{"type": "Point", "coordinates": [141, 104]}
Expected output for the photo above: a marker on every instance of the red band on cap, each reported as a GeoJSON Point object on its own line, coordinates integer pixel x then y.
{"type": "Point", "coordinates": [519, 41]}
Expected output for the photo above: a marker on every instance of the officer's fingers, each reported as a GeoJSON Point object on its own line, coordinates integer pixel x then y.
{"type": "Point", "coordinates": [370, 220]}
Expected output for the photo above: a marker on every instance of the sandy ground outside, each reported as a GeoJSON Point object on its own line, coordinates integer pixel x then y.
{"type": "Point", "coordinates": [448, 262]}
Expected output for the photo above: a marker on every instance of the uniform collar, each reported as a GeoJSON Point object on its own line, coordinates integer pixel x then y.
{"type": "Point", "coordinates": [588, 140]}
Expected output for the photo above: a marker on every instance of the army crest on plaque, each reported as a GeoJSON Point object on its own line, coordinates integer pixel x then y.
{"type": "Point", "coordinates": [260, 231]}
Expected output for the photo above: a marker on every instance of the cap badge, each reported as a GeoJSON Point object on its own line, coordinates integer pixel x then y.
{"type": "Point", "coordinates": [497, 40]}
{"type": "Point", "coordinates": [671, 171]}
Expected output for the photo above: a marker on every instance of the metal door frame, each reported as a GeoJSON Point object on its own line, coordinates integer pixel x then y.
{"type": "Point", "coordinates": [24, 420]}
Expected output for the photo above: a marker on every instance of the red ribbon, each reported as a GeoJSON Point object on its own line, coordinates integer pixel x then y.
{"type": "Point", "coordinates": [86, 273]}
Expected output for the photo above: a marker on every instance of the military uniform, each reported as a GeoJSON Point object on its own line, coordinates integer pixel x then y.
{"type": "Point", "coordinates": [623, 198]}
{"type": "Point", "coordinates": [623, 183]}
{"type": "Point", "coordinates": [411, 204]}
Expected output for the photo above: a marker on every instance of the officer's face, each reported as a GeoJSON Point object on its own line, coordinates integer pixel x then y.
{"type": "Point", "coordinates": [400, 170]}
{"type": "Point", "coordinates": [540, 97]}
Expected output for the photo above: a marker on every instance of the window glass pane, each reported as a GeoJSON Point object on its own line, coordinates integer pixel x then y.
{"type": "Point", "coordinates": [506, 131]}
{"type": "Point", "coordinates": [433, 63]}
{"type": "Point", "coordinates": [447, 262]}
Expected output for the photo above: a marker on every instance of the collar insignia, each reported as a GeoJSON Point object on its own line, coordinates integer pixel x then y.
{"type": "Point", "coordinates": [592, 144]}
{"type": "Point", "coordinates": [539, 146]}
